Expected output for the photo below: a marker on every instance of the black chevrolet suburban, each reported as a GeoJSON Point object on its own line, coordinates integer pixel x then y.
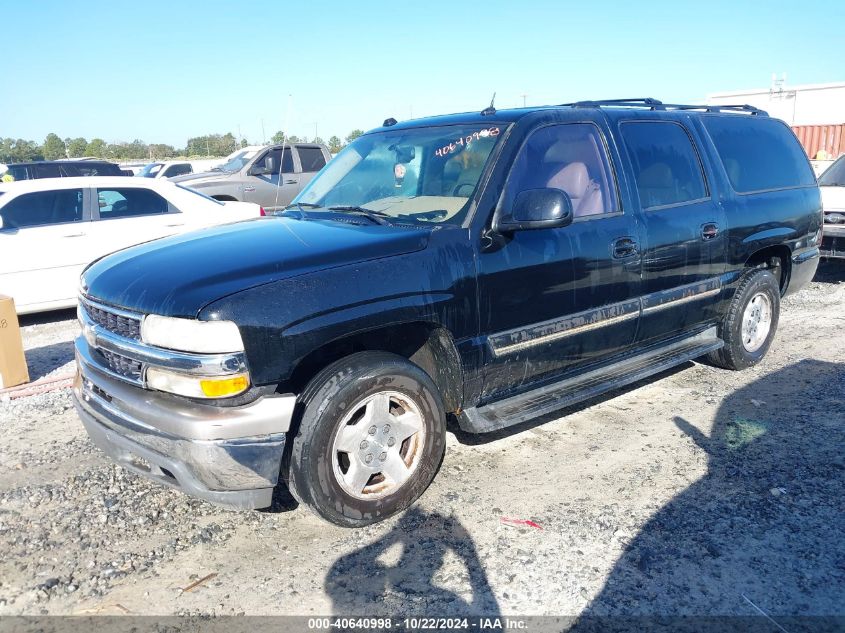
{"type": "Point", "coordinates": [493, 266]}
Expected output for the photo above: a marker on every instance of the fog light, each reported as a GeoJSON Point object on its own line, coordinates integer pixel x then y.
{"type": "Point", "coordinates": [197, 386]}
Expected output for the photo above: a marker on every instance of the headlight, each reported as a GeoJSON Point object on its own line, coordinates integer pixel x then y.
{"type": "Point", "coordinates": [197, 386]}
{"type": "Point", "coordinates": [190, 335]}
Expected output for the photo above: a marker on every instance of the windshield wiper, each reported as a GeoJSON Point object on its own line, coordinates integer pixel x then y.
{"type": "Point", "coordinates": [378, 217]}
{"type": "Point", "coordinates": [300, 205]}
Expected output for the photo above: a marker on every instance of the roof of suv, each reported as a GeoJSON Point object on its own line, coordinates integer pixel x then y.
{"type": "Point", "coordinates": [491, 115]}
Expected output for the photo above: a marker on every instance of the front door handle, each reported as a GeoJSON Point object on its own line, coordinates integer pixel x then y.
{"type": "Point", "coordinates": [624, 247]}
{"type": "Point", "coordinates": [709, 231]}
{"type": "Point", "coordinates": [291, 182]}
{"type": "Point", "coordinates": [75, 235]}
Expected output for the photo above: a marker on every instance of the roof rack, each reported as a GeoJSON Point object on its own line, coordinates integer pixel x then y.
{"type": "Point", "coordinates": [656, 104]}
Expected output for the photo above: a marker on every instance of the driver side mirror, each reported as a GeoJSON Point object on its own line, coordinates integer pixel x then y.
{"type": "Point", "coordinates": [267, 166]}
{"type": "Point", "coordinates": [546, 208]}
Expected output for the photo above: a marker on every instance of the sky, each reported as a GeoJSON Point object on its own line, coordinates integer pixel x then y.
{"type": "Point", "coordinates": [163, 72]}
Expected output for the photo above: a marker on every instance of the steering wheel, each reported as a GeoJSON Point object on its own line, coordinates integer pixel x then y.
{"type": "Point", "coordinates": [457, 190]}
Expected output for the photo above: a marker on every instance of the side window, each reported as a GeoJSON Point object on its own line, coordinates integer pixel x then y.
{"type": "Point", "coordinates": [129, 202]}
{"type": "Point", "coordinates": [286, 162]}
{"type": "Point", "coordinates": [570, 157]}
{"type": "Point", "coordinates": [16, 172]}
{"type": "Point", "coordinates": [758, 153]}
{"type": "Point", "coordinates": [42, 208]}
{"type": "Point", "coordinates": [49, 170]}
{"type": "Point", "coordinates": [666, 166]}
{"type": "Point", "coordinates": [177, 170]}
{"type": "Point", "coordinates": [69, 171]}
{"type": "Point", "coordinates": [312, 158]}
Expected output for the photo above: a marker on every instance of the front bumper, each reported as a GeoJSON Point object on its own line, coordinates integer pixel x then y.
{"type": "Point", "coordinates": [230, 456]}
{"type": "Point", "coordinates": [833, 241]}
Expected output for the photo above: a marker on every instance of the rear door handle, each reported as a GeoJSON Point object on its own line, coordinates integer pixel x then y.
{"type": "Point", "coordinates": [709, 231]}
{"type": "Point", "coordinates": [624, 247]}
{"type": "Point", "coordinates": [291, 182]}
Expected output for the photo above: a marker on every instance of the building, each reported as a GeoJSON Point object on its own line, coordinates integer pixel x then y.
{"type": "Point", "coordinates": [816, 112]}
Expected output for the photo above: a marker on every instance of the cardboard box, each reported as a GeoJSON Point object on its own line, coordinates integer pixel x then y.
{"type": "Point", "coordinates": [13, 370]}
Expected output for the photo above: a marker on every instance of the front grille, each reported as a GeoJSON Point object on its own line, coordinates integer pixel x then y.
{"type": "Point", "coordinates": [124, 326]}
{"type": "Point", "coordinates": [121, 365]}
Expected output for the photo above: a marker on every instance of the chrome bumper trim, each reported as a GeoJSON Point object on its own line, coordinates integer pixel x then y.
{"type": "Point", "coordinates": [234, 471]}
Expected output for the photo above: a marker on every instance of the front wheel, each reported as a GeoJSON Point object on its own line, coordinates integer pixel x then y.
{"type": "Point", "coordinates": [370, 440]}
{"type": "Point", "coordinates": [750, 323]}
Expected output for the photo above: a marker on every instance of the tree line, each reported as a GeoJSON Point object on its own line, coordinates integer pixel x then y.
{"type": "Point", "coordinates": [54, 147]}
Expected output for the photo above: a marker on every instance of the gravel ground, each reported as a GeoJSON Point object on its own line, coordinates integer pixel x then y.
{"type": "Point", "coordinates": [699, 492]}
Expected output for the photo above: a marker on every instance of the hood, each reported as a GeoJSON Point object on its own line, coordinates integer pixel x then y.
{"type": "Point", "coordinates": [833, 198]}
{"type": "Point", "coordinates": [202, 177]}
{"type": "Point", "coordinates": [177, 276]}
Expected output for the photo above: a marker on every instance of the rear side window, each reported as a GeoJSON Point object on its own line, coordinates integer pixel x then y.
{"type": "Point", "coordinates": [43, 208]}
{"type": "Point", "coordinates": [129, 202]}
{"type": "Point", "coordinates": [759, 153]}
{"type": "Point", "coordinates": [49, 170]}
{"type": "Point", "coordinates": [177, 170]}
{"type": "Point", "coordinates": [312, 158]}
{"type": "Point", "coordinates": [97, 169]}
{"type": "Point", "coordinates": [666, 165]}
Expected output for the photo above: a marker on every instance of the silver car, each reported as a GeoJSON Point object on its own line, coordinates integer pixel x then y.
{"type": "Point", "coordinates": [271, 176]}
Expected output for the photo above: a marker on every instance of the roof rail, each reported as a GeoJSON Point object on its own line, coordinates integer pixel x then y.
{"type": "Point", "coordinates": [655, 104]}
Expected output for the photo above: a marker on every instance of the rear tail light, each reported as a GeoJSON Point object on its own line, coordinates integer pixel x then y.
{"type": "Point", "coordinates": [263, 212]}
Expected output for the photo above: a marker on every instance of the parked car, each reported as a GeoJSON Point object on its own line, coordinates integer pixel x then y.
{"type": "Point", "coordinates": [50, 229]}
{"type": "Point", "coordinates": [496, 266]}
{"type": "Point", "coordinates": [832, 183]}
{"type": "Point", "coordinates": [63, 169]}
{"type": "Point", "coordinates": [256, 177]}
{"type": "Point", "coordinates": [166, 169]}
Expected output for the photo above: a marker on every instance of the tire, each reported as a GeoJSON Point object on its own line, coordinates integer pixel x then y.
{"type": "Point", "coordinates": [748, 337]}
{"type": "Point", "coordinates": [371, 438]}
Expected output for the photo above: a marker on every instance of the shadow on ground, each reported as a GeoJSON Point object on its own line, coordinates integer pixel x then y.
{"type": "Point", "coordinates": [831, 271]}
{"type": "Point", "coordinates": [762, 531]}
{"type": "Point", "coordinates": [52, 316]}
{"type": "Point", "coordinates": [407, 572]}
{"type": "Point", "coordinates": [43, 360]}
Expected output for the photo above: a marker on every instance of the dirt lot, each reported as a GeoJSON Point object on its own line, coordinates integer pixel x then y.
{"type": "Point", "coordinates": [700, 492]}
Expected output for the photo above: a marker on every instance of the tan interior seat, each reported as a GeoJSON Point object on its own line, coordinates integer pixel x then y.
{"type": "Point", "coordinates": [575, 180]}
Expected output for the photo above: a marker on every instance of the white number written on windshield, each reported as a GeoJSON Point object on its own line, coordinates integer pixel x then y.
{"type": "Point", "coordinates": [466, 141]}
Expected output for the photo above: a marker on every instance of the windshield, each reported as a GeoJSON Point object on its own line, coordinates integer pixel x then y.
{"type": "Point", "coordinates": [149, 171]}
{"type": "Point", "coordinates": [422, 174]}
{"type": "Point", "coordinates": [237, 162]}
{"type": "Point", "coordinates": [834, 176]}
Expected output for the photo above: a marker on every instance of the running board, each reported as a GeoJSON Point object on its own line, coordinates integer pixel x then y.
{"type": "Point", "coordinates": [532, 404]}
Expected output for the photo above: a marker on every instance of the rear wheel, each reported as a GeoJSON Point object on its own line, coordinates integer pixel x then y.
{"type": "Point", "coordinates": [750, 323]}
{"type": "Point", "coordinates": [370, 440]}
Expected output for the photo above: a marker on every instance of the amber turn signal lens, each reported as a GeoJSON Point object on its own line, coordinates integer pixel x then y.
{"type": "Point", "coordinates": [220, 387]}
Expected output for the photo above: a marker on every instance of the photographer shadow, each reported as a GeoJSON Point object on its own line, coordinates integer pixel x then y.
{"type": "Point", "coordinates": [762, 531]}
{"type": "Point", "coordinates": [407, 572]}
